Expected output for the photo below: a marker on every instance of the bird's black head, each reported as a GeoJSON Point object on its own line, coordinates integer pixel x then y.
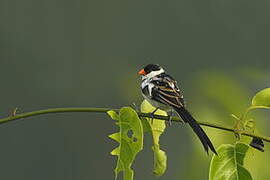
{"type": "Point", "coordinates": [150, 68]}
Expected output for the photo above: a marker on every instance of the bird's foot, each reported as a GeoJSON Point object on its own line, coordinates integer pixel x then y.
{"type": "Point", "coordinates": [169, 122]}
{"type": "Point", "coordinates": [153, 115]}
{"type": "Point", "coordinates": [170, 117]}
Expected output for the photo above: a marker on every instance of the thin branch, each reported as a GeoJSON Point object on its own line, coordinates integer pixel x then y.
{"type": "Point", "coordinates": [15, 116]}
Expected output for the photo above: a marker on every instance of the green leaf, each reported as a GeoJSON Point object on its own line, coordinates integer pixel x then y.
{"type": "Point", "coordinates": [156, 127]}
{"type": "Point", "coordinates": [160, 160]}
{"type": "Point", "coordinates": [113, 115]}
{"type": "Point", "coordinates": [229, 164]}
{"type": "Point", "coordinates": [130, 139]}
{"type": "Point", "coordinates": [262, 98]}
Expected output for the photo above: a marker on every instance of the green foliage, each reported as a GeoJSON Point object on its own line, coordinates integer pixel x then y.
{"type": "Point", "coordinates": [130, 139]}
{"type": "Point", "coordinates": [128, 120]}
{"type": "Point", "coordinates": [229, 165]}
{"type": "Point", "coordinates": [156, 128]}
{"type": "Point", "coordinates": [262, 98]}
{"type": "Point", "coordinates": [260, 101]}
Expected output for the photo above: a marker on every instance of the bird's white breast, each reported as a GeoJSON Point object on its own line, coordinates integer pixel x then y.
{"type": "Point", "coordinates": [147, 82]}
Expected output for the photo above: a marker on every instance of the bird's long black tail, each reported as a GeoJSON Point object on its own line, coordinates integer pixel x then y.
{"type": "Point", "coordinates": [186, 116]}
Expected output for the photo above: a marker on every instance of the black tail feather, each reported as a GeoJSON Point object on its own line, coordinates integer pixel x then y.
{"type": "Point", "coordinates": [186, 116]}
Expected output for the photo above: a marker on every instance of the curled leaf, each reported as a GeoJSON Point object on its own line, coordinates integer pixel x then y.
{"type": "Point", "coordinates": [156, 127]}
{"type": "Point", "coordinates": [160, 160]}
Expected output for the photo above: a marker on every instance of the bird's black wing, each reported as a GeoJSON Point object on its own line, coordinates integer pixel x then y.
{"type": "Point", "coordinates": [166, 91]}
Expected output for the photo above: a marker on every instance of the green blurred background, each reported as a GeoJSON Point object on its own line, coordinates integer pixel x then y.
{"type": "Point", "coordinates": [58, 53]}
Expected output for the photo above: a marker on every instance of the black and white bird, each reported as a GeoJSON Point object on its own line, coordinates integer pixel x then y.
{"type": "Point", "coordinates": [162, 92]}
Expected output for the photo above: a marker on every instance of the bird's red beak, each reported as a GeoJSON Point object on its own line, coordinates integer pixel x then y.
{"type": "Point", "coordinates": [142, 72]}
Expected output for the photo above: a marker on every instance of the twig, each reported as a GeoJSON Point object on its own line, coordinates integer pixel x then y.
{"type": "Point", "coordinates": [104, 110]}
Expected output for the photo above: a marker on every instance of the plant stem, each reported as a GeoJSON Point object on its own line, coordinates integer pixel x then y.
{"type": "Point", "coordinates": [14, 117]}
{"type": "Point", "coordinates": [253, 108]}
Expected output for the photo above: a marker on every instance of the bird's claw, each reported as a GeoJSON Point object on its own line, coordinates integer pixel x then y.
{"type": "Point", "coordinates": [153, 115]}
{"type": "Point", "coordinates": [169, 120]}
{"type": "Point", "coordinates": [170, 117]}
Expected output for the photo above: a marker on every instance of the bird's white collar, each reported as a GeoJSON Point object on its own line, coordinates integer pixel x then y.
{"type": "Point", "coordinates": [152, 74]}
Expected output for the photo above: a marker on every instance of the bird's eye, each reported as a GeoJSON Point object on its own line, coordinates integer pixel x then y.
{"type": "Point", "coordinates": [147, 70]}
